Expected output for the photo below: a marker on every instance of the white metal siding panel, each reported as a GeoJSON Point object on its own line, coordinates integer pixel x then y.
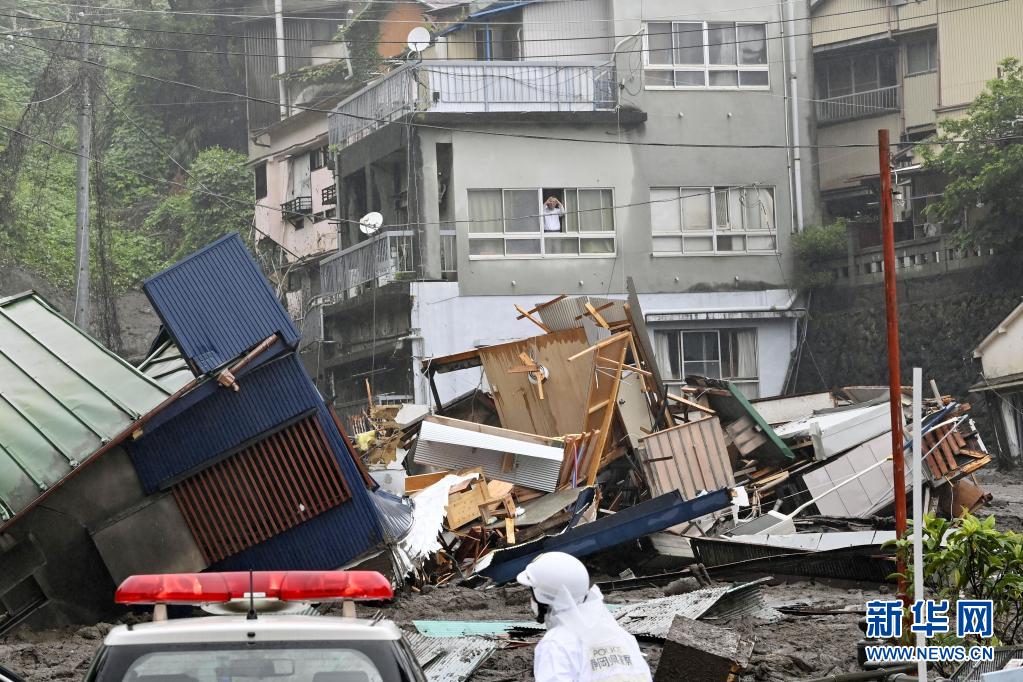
{"type": "Point", "coordinates": [841, 20]}
{"type": "Point", "coordinates": [534, 466]}
{"type": "Point", "coordinates": [972, 40]}
{"type": "Point", "coordinates": [690, 458]}
{"type": "Point", "coordinates": [920, 99]}
{"type": "Point", "coordinates": [574, 23]}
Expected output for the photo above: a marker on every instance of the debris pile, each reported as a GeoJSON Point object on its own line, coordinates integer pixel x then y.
{"type": "Point", "coordinates": [587, 447]}
{"type": "Point", "coordinates": [218, 453]}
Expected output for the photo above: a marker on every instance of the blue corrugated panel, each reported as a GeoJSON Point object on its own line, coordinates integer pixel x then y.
{"type": "Point", "coordinates": [216, 304]}
{"type": "Point", "coordinates": [270, 396]}
{"type": "Point", "coordinates": [193, 435]}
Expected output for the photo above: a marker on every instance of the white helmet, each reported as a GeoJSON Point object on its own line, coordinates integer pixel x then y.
{"type": "Point", "coordinates": [552, 575]}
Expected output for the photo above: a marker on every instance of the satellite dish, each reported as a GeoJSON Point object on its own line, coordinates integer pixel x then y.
{"type": "Point", "coordinates": [418, 39]}
{"type": "Point", "coordinates": [371, 222]}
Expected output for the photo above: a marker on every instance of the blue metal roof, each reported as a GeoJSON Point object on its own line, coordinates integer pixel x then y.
{"type": "Point", "coordinates": [216, 304]}
{"type": "Point", "coordinates": [194, 434]}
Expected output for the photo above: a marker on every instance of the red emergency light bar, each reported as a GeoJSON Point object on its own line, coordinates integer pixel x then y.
{"type": "Point", "coordinates": [289, 586]}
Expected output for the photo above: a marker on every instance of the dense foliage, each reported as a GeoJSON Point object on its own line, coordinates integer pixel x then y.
{"type": "Point", "coordinates": [969, 558]}
{"type": "Point", "coordinates": [814, 250]}
{"type": "Point", "coordinates": [982, 157]}
{"type": "Point", "coordinates": [166, 138]}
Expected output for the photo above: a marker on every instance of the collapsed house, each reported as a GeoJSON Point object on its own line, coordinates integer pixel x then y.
{"type": "Point", "coordinates": [575, 443]}
{"type": "Point", "coordinates": [218, 453]}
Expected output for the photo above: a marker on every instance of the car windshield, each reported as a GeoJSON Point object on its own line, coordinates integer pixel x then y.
{"type": "Point", "coordinates": [368, 661]}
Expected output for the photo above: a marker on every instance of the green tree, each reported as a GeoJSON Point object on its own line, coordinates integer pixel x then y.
{"type": "Point", "coordinates": [982, 158]}
{"type": "Point", "coordinates": [217, 200]}
{"type": "Point", "coordinates": [815, 250]}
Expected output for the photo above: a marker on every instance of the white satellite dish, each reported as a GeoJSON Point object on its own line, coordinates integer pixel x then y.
{"type": "Point", "coordinates": [371, 222]}
{"type": "Point", "coordinates": [418, 39]}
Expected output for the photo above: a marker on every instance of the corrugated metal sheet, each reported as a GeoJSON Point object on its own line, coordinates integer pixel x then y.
{"type": "Point", "coordinates": [216, 304]}
{"type": "Point", "coordinates": [167, 366]}
{"type": "Point", "coordinates": [449, 659]}
{"type": "Point", "coordinates": [62, 396]}
{"type": "Point", "coordinates": [451, 444]}
{"type": "Point", "coordinates": [193, 436]}
{"type": "Point", "coordinates": [395, 515]}
{"type": "Point", "coordinates": [689, 458]}
{"type": "Point", "coordinates": [553, 29]}
{"type": "Point", "coordinates": [267, 488]}
{"type": "Point", "coordinates": [562, 315]}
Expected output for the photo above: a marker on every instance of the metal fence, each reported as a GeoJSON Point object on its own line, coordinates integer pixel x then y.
{"type": "Point", "coordinates": [858, 105]}
{"type": "Point", "coordinates": [469, 87]}
{"type": "Point", "coordinates": [379, 260]}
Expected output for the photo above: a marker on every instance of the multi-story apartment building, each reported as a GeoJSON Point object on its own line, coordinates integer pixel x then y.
{"type": "Point", "coordinates": [673, 137]}
{"type": "Point", "coordinates": [903, 65]}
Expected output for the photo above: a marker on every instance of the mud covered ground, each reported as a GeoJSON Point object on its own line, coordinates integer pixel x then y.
{"type": "Point", "coordinates": [797, 647]}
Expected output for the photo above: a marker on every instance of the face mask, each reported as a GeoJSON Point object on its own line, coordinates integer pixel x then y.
{"type": "Point", "coordinates": [539, 610]}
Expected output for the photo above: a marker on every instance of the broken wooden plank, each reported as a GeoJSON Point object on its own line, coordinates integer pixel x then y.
{"type": "Point", "coordinates": [690, 403]}
{"type": "Point", "coordinates": [528, 315]}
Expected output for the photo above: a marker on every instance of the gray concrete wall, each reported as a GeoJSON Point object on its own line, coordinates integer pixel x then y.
{"type": "Point", "coordinates": [745, 118]}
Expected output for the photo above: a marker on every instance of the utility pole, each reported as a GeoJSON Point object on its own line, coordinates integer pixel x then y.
{"type": "Point", "coordinates": [892, 315]}
{"type": "Point", "coordinates": [81, 316]}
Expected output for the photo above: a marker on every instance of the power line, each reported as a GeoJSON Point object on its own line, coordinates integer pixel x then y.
{"type": "Point", "coordinates": [468, 42]}
{"type": "Point", "coordinates": [465, 21]}
{"type": "Point", "coordinates": [493, 133]}
{"type": "Point", "coordinates": [603, 53]}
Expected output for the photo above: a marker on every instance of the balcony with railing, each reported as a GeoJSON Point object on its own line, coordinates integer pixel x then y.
{"type": "Point", "coordinates": [919, 257]}
{"type": "Point", "coordinates": [859, 105]}
{"type": "Point", "coordinates": [328, 195]}
{"type": "Point", "coordinates": [297, 209]}
{"type": "Point", "coordinates": [473, 87]}
{"type": "Point", "coordinates": [384, 258]}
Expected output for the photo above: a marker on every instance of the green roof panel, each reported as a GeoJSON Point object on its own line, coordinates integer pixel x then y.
{"type": "Point", "coordinates": [62, 396]}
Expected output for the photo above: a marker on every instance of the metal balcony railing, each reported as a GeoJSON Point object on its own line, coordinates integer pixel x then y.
{"type": "Point", "coordinates": [473, 87]}
{"type": "Point", "coordinates": [858, 105]}
{"type": "Point", "coordinates": [381, 259]}
{"type": "Point", "coordinates": [328, 195]}
{"type": "Point", "coordinates": [297, 208]}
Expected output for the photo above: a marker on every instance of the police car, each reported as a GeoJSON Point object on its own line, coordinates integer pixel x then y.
{"type": "Point", "coordinates": [256, 634]}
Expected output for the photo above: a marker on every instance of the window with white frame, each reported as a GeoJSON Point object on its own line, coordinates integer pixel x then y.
{"type": "Point", "coordinates": [705, 54]}
{"type": "Point", "coordinates": [702, 220]}
{"type": "Point", "coordinates": [856, 73]}
{"type": "Point", "coordinates": [511, 222]}
{"type": "Point", "coordinates": [729, 354]}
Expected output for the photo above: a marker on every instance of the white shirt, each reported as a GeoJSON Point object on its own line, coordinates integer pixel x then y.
{"type": "Point", "coordinates": [599, 654]}
{"type": "Point", "coordinates": [552, 218]}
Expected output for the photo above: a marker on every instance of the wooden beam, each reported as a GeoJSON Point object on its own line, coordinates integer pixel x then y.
{"type": "Point", "coordinates": [690, 403]}
{"type": "Point", "coordinates": [527, 315]}
{"type": "Point", "coordinates": [597, 346]}
{"type": "Point", "coordinates": [598, 309]}
{"type": "Point", "coordinates": [540, 306]}
{"type": "Point", "coordinates": [595, 315]}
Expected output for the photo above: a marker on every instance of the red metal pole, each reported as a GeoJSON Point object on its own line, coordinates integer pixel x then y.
{"type": "Point", "coordinates": [892, 315]}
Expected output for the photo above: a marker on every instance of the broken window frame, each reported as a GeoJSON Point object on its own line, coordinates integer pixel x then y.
{"type": "Point", "coordinates": [670, 345]}
{"type": "Point", "coordinates": [721, 204]}
{"type": "Point", "coordinates": [683, 73]}
{"type": "Point", "coordinates": [543, 242]}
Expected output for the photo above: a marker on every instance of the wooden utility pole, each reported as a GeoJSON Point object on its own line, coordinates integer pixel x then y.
{"type": "Point", "coordinates": [82, 180]}
{"type": "Point", "coordinates": [892, 315]}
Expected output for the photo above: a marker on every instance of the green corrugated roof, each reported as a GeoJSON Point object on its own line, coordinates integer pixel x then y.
{"type": "Point", "coordinates": [62, 396]}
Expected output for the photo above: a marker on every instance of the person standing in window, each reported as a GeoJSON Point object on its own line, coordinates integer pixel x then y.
{"type": "Point", "coordinates": [552, 212]}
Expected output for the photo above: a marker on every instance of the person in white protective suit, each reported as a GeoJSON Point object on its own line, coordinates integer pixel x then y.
{"type": "Point", "coordinates": [583, 642]}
